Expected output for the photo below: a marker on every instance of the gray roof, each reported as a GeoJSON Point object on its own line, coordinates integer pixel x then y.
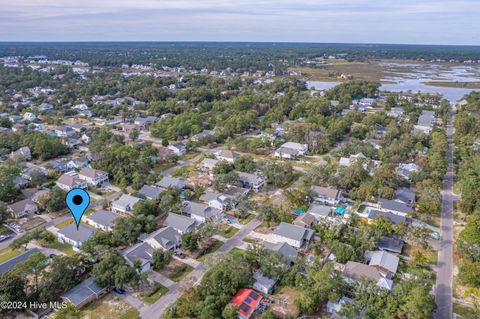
{"type": "Point", "coordinates": [83, 233]}
{"type": "Point", "coordinates": [104, 218]}
{"type": "Point", "coordinates": [21, 205]}
{"type": "Point", "coordinates": [395, 219]}
{"type": "Point", "coordinates": [264, 281]}
{"type": "Point", "coordinates": [83, 291]}
{"type": "Point", "coordinates": [384, 260]}
{"type": "Point", "coordinates": [356, 270]}
{"type": "Point", "coordinates": [390, 244]}
{"type": "Point", "coordinates": [13, 262]}
{"type": "Point", "coordinates": [127, 201]}
{"type": "Point", "coordinates": [293, 232]}
{"type": "Point", "coordinates": [179, 222]}
{"type": "Point", "coordinates": [426, 118]}
{"type": "Point", "coordinates": [142, 251]}
{"type": "Point", "coordinates": [168, 181]}
{"type": "Point", "coordinates": [285, 249]}
{"type": "Point", "coordinates": [329, 192]}
{"type": "Point", "coordinates": [249, 178]}
{"type": "Point", "coordinates": [320, 210]}
{"type": "Point", "coordinates": [150, 191]}
{"type": "Point", "coordinates": [201, 210]}
{"type": "Point", "coordinates": [210, 162]}
{"type": "Point", "coordinates": [165, 236]}
{"type": "Point", "coordinates": [405, 195]}
{"type": "Point", "coordinates": [392, 205]}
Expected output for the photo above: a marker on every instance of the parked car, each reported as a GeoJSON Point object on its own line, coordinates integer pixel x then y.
{"type": "Point", "coordinates": [119, 291]}
{"type": "Point", "coordinates": [179, 254]}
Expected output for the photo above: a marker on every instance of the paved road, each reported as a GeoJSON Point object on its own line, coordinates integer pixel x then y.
{"type": "Point", "coordinates": [443, 287]}
{"type": "Point", "coordinates": [176, 290]}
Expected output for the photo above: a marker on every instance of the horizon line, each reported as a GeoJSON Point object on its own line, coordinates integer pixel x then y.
{"type": "Point", "coordinates": [235, 42]}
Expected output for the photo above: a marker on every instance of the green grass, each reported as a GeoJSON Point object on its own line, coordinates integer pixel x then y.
{"type": "Point", "coordinates": [229, 232]}
{"type": "Point", "coordinates": [238, 251]}
{"type": "Point", "coordinates": [249, 240]}
{"type": "Point", "coordinates": [131, 314]}
{"type": "Point", "coordinates": [159, 291]}
{"type": "Point", "coordinates": [461, 309]}
{"type": "Point", "coordinates": [65, 223]}
{"type": "Point", "coordinates": [4, 230]}
{"type": "Point", "coordinates": [184, 171]}
{"type": "Point", "coordinates": [179, 272]}
{"type": "Point", "coordinates": [210, 250]}
{"type": "Point", "coordinates": [8, 253]}
{"type": "Point", "coordinates": [247, 219]}
{"type": "Point", "coordinates": [65, 248]}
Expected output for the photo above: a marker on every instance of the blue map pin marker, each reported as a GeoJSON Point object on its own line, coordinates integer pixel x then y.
{"type": "Point", "coordinates": [77, 201]}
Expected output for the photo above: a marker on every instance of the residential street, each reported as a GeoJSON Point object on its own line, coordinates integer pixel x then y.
{"type": "Point", "coordinates": [176, 290]}
{"type": "Point", "coordinates": [443, 287]}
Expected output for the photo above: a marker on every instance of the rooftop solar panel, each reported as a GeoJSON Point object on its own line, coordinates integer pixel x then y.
{"type": "Point", "coordinates": [254, 295]}
{"type": "Point", "coordinates": [244, 307]}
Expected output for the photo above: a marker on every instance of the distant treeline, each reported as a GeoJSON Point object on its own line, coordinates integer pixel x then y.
{"type": "Point", "coordinates": [238, 56]}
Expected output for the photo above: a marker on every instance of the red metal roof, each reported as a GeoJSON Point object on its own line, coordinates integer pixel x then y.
{"type": "Point", "coordinates": [246, 301]}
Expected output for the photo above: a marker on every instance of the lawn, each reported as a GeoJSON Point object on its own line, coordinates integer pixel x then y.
{"type": "Point", "coordinates": [4, 230]}
{"type": "Point", "coordinates": [176, 270]}
{"type": "Point", "coordinates": [157, 292]}
{"type": "Point", "coordinates": [213, 247]}
{"type": "Point", "coordinates": [8, 253]}
{"type": "Point", "coordinates": [65, 248]}
{"type": "Point", "coordinates": [247, 219]}
{"type": "Point", "coordinates": [249, 240]}
{"type": "Point", "coordinates": [110, 307]}
{"type": "Point", "coordinates": [184, 171]}
{"type": "Point", "coordinates": [229, 231]}
{"type": "Point", "coordinates": [65, 223]}
{"type": "Point", "coordinates": [238, 251]}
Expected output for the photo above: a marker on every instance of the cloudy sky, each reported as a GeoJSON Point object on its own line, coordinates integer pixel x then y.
{"type": "Point", "coordinates": [357, 21]}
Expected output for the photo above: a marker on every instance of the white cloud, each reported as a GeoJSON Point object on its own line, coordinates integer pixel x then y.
{"type": "Point", "coordinates": [407, 21]}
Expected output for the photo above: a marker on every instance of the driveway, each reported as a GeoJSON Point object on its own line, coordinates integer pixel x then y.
{"type": "Point", "coordinates": [443, 287]}
{"type": "Point", "coordinates": [176, 290]}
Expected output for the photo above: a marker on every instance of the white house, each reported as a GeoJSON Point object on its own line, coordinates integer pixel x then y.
{"type": "Point", "coordinates": [69, 181]}
{"type": "Point", "coordinates": [29, 116]}
{"type": "Point", "coordinates": [295, 236]}
{"type": "Point", "coordinates": [201, 212]}
{"type": "Point", "coordinates": [92, 176]}
{"type": "Point", "coordinates": [178, 148]}
{"type": "Point", "coordinates": [102, 219]}
{"type": "Point", "coordinates": [255, 182]}
{"type": "Point", "coordinates": [124, 205]}
{"type": "Point", "coordinates": [291, 150]}
{"type": "Point", "coordinates": [75, 237]}
{"type": "Point", "coordinates": [226, 155]}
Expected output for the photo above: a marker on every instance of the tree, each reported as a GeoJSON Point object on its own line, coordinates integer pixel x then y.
{"type": "Point", "coordinates": [470, 274]}
{"type": "Point", "coordinates": [383, 225]}
{"type": "Point", "coordinates": [161, 258]}
{"type": "Point", "coordinates": [12, 288]}
{"type": "Point", "coordinates": [299, 198]}
{"type": "Point", "coordinates": [245, 163]}
{"type": "Point", "coordinates": [134, 134]}
{"type": "Point", "coordinates": [3, 212]}
{"type": "Point", "coordinates": [146, 208]}
{"type": "Point", "coordinates": [419, 258]}
{"type": "Point", "coordinates": [190, 241]}
{"type": "Point", "coordinates": [319, 286]}
{"type": "Point", "coordinates": [61, 276]}
{"type": "Point", "coordinates": [230, 312]}
{"type": "Point", "coordinates": [9, 170]}
{"type": "Point", "coordinates": [54, 200]}
{"type": "Point", "coordinates": [112, 272]}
